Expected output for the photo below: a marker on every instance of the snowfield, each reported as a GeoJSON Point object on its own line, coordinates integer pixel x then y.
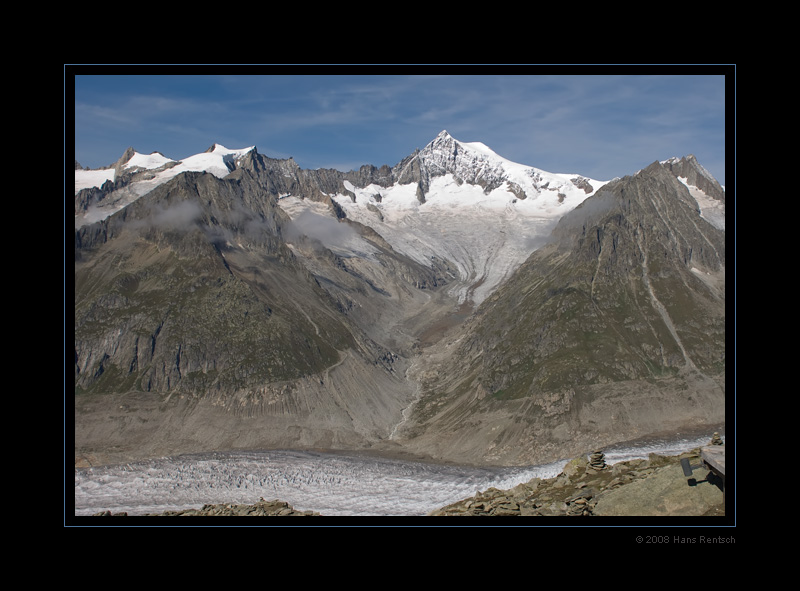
{"type": "Point", "coordinates": [711, 210]}
{"type": "Point", "coordinates": [85, 179]}
{"type": "Point", "coordinates": [485, 236]}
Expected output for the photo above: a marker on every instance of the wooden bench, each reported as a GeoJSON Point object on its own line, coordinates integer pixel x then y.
{"type": "Point", "coordinates": [713, 458]}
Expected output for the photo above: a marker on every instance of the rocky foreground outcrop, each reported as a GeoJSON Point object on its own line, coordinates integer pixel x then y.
{"type": "Point", "coordinates": [587, 486]}
{"type": "Point", "coordinates": [656, 486]}
{"type": "Point", "coordinates": [262, 508]}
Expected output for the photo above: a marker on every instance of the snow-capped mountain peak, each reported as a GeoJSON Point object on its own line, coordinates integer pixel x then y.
{"type": "Point", "coordinates": [470, 162]}
{"type": "Point", "coordinates": [446, 143]}
{"type": "Point", "coordinates": [217, 160]}
{"type": "Point", "coordinates": [147, 161]}
{"type": "Point", "coordinates": [475, 163]}
{"type": "Point", "coordinates": [463, 203]}
{"type": "Point", "coordinates": [149, 171]}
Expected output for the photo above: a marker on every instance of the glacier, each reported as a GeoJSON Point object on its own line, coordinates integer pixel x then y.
{"type": "Point", "coordinates": [484, 236]}
{"type": "Point", "coordinates": [332, 484]}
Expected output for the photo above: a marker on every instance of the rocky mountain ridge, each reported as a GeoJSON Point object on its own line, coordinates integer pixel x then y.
{"type": "Point", "coordinates": [470, 163]}
{"type": "Point", "coordinates": [255, 304]}
{"type": "Point", "coordinates": [617, 324]}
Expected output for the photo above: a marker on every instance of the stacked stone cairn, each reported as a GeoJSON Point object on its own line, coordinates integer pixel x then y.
{"type": "Point", "coordinates": [716, 439]}
{"type": "Point", "coordinates": [597, 460]}
{"type": "Point", "coordinates": [581, 504]}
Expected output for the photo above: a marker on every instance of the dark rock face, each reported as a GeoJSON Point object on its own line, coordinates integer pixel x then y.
{"type": "Point", "coordinates": [443, 156]}
{"type": "Point", "coordinates": [409, 170]}
{"type": "Point", "coordinates": [691, 170]}
{"type": "Point", "coordinates": [173, 310]}
{"type": "Point", "coordinates": [583, 183]}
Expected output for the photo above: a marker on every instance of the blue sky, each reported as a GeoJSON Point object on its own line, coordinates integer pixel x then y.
{"type": "Point", "coordinates": [601, 125]}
